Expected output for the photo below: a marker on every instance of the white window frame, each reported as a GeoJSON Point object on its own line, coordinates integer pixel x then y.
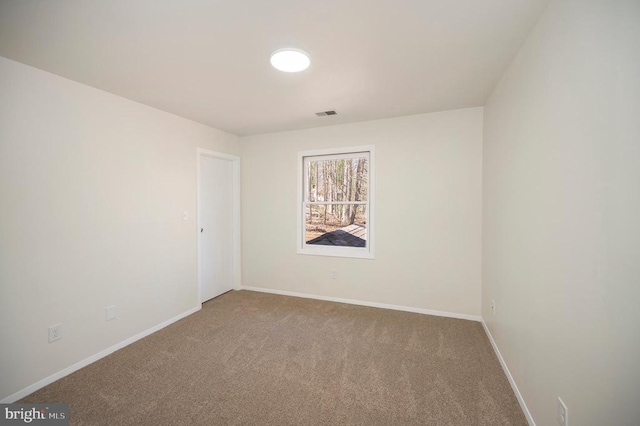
{"type": "Point", "coordinates": [320, 250]}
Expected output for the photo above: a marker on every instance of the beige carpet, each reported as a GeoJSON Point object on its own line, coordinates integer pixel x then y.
{"type": "Point", "coordinates": [259, 359]}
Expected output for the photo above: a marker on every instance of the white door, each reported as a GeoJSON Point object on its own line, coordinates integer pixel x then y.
{"type": "Point", "coordinates": [215, 227]}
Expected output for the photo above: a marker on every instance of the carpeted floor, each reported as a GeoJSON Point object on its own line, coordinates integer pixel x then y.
{"type": "Point", "coordinates": [251, 358]}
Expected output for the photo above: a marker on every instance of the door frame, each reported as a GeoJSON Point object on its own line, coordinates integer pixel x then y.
{"type": "Point", "coordinates": [236, 252]}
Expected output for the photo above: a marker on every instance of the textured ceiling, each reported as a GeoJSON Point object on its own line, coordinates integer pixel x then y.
{"type": "Point", "coordinates": [209, 60]}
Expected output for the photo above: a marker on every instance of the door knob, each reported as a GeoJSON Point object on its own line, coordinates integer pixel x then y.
{"type": "Point", "coordinates": [201, 229]}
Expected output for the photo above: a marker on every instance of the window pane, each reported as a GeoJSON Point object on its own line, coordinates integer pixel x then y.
{"type": "Point", "coordinates": [336, 225]}
{"type": "Point", "coordinates": [342, 179]}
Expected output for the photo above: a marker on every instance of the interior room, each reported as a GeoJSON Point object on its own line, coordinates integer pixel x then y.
{"type": "Point", "coordinates": [285, 212]}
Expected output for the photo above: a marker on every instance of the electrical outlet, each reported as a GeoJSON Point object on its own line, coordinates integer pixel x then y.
{"type": "Point", "coordinates": [493, 307]}
{"type": "Point", "coordinates": [334, 275]}
{"type": "Point", "coordinates": [55, 332]}
{"type": "Point", "coordinates": [563, 413]}
{"type": "Point", "coordinates": [111, 312]}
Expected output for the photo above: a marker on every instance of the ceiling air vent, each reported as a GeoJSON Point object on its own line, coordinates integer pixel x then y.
{"type": "Point", "coordinates": [323, 113]}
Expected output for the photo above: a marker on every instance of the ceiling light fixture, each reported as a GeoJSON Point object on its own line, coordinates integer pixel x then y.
{"type": "Point", "coordinates": [290, 60]}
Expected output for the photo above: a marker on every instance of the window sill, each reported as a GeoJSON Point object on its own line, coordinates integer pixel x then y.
{"type": "Point", "coordinates": [332, 251]}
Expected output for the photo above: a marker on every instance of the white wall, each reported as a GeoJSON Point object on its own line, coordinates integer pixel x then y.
{"type": "Point", "coordinates": [561, 229]}
{"type": "Point", "coordinates": [427, 217]}
{"type": "Point", "coordinates": [92, 188]}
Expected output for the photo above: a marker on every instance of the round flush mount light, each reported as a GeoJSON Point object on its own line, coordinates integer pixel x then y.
{"type": "Point", "coordinates": [290, 60]}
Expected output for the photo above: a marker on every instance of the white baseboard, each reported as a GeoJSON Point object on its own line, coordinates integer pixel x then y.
{"type": "Point", "coordinates": [363, 303]}
{"type": "Point", "coordinates": [514, 386]}
{"type": "Point", "coordinates": [93, 358]}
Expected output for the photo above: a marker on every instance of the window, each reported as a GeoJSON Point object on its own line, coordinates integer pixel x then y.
{"type": "Point", "coordinates": [335, 202]}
